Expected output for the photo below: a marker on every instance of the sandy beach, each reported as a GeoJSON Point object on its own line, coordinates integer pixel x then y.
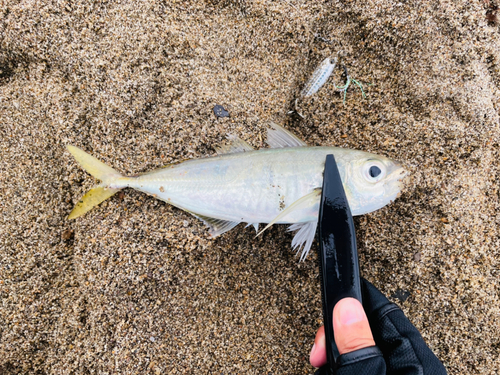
{"type": "Point", "coordinates": [136, 286]}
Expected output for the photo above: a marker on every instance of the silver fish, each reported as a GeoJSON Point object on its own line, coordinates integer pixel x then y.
{"type": "Point", "coordinates": [319, 77]}
{"type": "Point", "coordinates": [280, 185]}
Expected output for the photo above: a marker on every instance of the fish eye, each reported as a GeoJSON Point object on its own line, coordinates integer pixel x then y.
{"type": "Point", "coordinates": [374, 171]}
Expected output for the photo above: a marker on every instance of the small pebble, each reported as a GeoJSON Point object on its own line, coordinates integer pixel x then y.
{"type": "Point", "coordinates": [67, 234]}
{"type": "Point", "coordinates": [219, 111]}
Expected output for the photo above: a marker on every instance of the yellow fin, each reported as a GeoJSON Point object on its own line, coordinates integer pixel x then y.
{"type": "Point", "coordinates": [91, 199]}
{"type": "Point", "coordinates": [93, 165]}
{"type": "Point", "coordinates": [100, 171]}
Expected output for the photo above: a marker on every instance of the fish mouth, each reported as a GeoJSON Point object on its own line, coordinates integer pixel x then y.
{"type": "Point", "coordinates": [398, 176]}
{"type": "Point", "coordinates": [395, 182]}
{"type": "Point", "coordinates": [400, 173]}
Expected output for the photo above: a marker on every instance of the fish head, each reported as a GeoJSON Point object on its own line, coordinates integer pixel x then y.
{"type": "Point", "coordinates": [371, 181]}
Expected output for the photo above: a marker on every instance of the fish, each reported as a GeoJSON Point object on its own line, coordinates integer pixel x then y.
{"type": "Point", "coordinates": [319, 77]}
{"type": "Point", "coordinates": [276, 185]}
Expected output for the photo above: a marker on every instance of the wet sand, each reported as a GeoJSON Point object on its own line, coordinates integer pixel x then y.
{"type": "Point", "coordinates": [137, 286]}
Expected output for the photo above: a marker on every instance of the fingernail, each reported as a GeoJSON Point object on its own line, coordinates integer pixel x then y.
{"type": "Point", "coordinates": [350, 312]}
{"type": "Point", "coordinates": [312, 350]}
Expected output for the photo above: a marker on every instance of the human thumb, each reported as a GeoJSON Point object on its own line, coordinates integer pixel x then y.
{"type": "Point", "coordinates": [350, 326]}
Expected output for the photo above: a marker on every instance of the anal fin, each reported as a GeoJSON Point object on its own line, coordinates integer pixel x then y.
{"type": "Point", "coordinates": [216, 227]}
{"type": "Point", "coordinates": [304, 237]}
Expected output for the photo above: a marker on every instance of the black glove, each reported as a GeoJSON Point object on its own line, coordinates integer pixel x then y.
{"type": "Point", "coordinates": [400, 348]}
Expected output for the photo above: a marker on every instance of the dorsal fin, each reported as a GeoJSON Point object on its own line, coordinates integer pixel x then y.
{"type": "Point", "coordinates": [236, 145]}
{"type": "Point", "coordinates": [278, 137]}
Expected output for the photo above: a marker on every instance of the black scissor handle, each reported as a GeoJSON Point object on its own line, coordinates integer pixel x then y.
{"type": "Point", "coordinates": [338, 256]}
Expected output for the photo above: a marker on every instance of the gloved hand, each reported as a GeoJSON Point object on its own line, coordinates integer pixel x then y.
{"type": "Point", "coordinates": [399, 350]}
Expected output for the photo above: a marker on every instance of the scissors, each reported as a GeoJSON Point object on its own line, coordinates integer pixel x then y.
{"type": "Point", "coordinates": [338, 256]}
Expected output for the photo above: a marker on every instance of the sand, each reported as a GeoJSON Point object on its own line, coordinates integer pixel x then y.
{"type": "Point", "coordinates": [137, 286]}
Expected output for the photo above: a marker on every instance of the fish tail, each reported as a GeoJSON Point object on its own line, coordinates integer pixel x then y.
{"type": "Point", "coordinates": [98, 193]}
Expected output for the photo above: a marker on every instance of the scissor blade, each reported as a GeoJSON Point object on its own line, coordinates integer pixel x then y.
{"type": "Point", "coordinates": [338, 255]}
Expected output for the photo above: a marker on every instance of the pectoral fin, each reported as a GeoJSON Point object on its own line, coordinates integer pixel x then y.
{"type": "Point", "coordinates": [305, 202]}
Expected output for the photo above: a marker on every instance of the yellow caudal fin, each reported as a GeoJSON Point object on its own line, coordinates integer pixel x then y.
{"type": "Point", "coordinates": [93, 166]}
{"type": "Point", "coordinates": [98, 193]}
{"type": "Point", "coordinates": [93, 197]}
